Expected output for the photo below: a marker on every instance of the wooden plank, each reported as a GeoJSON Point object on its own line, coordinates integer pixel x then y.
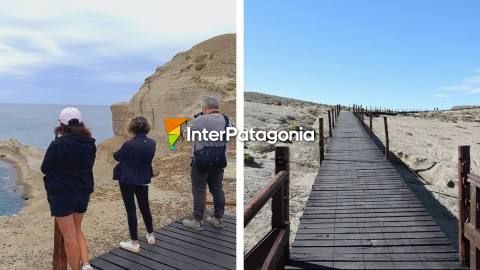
{"type": "Point", "coordinates": [178, 248]}
{"type": "Point", "coordinates": [205, 250]}
{"type": "Point", "coordinates": [99, 263]}
{"type": "Point", "coordinates": [182, 258]}
{"type": "Point", "coordinates": [361, 214]}
{"type": "Point", "coordinates": [194, 238]}
{"type": "Point", "coordinates": [124, 263]}
{"type": "Point", "coordinates": [206, 236]}
{"type": "Point", "coordinates": [145, 258]}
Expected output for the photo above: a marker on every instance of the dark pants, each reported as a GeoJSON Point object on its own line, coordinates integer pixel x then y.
{"type": "Point", "coordinates": [128, 194]}
{"type": "Point", "coordinates": [214, 179]}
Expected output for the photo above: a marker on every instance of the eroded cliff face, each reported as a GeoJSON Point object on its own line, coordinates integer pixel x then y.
{"type": "Point", "coordinates": [176, 88]}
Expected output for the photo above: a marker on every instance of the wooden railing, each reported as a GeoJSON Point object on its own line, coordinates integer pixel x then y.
{"type": "Point", "coordinates": [361, 115]}
{"type": "Point", "coordinates": [468, 211]}
{"type": "Point", "coordinates": [272, 252]}
{"type": "Point", "coordinates": [386, 111]}
{"type": "Point", "coordinates": [331, 123]}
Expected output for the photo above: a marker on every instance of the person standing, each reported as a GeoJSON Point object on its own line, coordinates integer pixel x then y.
{"type": "Point", "coordinates": [134, 173]}
{"type": "Point", "coordinates": [68, 180]}
{"type": "Point", "coordinates": [208, 163]}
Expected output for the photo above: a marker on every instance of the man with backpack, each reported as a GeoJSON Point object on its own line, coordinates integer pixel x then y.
{"type": "Point", "coordinates": [208, 163]}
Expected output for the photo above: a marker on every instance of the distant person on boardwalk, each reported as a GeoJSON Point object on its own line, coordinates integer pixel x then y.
{"type": "Point", "coordinates": [208, 163]}
{"type": "Point", "coordinates": [134, 173]}
{"type": "Point", "coordinates": [67, 166]}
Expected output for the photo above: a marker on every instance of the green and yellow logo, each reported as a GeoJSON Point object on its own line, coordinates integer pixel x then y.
{"type": "Point", "coordinates": [172, 126]}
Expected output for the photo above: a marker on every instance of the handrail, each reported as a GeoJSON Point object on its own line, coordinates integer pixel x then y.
{"type": "Point", "coordinates": [468, 212]}
{"type": "Point", "coordinates": [360, 115]}
{"type": "Point", "coordinates": [473, 179]}
{"type": "Point", "coordinates": [261, 198]}
{"type": "Point", "coordinates": [272, 252]}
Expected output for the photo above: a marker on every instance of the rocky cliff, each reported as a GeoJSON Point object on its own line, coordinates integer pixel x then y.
{"type": "Point", "coordinates": [176, 88]}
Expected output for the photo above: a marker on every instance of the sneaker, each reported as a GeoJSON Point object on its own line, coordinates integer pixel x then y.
{"type": "Point", "coordinates": [192, 224]}
{"type": "Point", "coordinates": [86, 266]}
{"type": "Point", "coordinates": [151, 238]}
{"type": "Point", "coordinates": [215, 222]}
{"type": "Point", "coordinates": [130, 246]}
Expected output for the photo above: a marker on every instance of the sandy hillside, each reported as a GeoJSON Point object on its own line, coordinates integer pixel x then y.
{"type": "Point", "coordinates": [27, 239]}
{"type": "Point", "coordinates": [427, 143]}
{"type": "Point", "coordinates": [276, 113]}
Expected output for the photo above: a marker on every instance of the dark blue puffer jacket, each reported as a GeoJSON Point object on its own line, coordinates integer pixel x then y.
{"type": "Point", "coordinates": [135, 161]}
{"type": "Point", "coordinates": [68, 165]}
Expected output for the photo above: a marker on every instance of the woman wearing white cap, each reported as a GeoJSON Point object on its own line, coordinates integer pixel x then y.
{"type": "Point", "coordinates": [67, 166]}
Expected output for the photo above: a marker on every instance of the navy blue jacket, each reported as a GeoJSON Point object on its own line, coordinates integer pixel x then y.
{"type": "Point", "coordinates": [68, 165]}
{"type": "Point", "coordinates": [135, 161]}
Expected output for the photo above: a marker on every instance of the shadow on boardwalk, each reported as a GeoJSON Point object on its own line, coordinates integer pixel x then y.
{"type": "Point", "coordinates": [444, 218]}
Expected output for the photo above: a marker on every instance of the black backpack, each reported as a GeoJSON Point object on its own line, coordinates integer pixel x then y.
{"type": "Point", "coordinates": [211, 157]}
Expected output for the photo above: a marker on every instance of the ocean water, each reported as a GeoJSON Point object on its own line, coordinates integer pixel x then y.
{"type": "Point", "coordinates": [33, 125]}
{"type": "Point", "coordinates": [11, 201]}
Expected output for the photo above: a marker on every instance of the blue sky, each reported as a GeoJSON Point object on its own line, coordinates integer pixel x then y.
{"type": "Point", "coordinates": [97, 52]}
{"type": "Point", "coordinates": [401, 54]}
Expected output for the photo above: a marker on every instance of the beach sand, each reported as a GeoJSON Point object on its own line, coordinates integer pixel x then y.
{"type": "Point", "coordinates": [427, 143]}
{"type": "Point", "coordinates": [27, 239]}
{"type": "Point", "coordinates": [274, 113]}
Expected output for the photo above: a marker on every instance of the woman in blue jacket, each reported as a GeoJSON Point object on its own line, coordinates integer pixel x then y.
{"type": "Point", "coordinates": [68, 180]}
{"type": "Point", "coordinates": [134, 173]}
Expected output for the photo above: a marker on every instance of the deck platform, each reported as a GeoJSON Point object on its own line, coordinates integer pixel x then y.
{"type": "Point", "coordinates": [178, 248]}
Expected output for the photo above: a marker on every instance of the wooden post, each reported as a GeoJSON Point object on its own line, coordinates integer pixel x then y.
{"type": "Point", "coordinates": [463, 167]}
{"type": "Point", "coordinates": [59, 255]}
{"type": "Point", "coordinates": [473, 220]}
{"type": "Point", "coordinates": [370, 131]}
{"type": "Point", "coordinates": [280, 201]}
{"type": "Point", "coordinates": [321, 141]}
{"type": "Point", "coordinates": [386, 137]}
{"type": "Point", "coordinates": [329, 125]}
{"type": "Point", "coordinates": [333, 119]}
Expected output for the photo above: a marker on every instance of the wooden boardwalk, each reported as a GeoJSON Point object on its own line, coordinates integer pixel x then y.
{"type": "Point", "coordinates": [178, 248]}
{"type": "Point", "coordinates": [362, 215]}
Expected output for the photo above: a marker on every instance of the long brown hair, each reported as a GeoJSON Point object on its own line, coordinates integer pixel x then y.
{"type": "Point", "coordinates": [74, 127]}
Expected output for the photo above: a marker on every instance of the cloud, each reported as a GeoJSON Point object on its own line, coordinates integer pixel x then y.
{"type": "Point", "coordinates": [473, 80]}
{"type": "Point", "coordinates": [441, 95]}
{"type": "Point", "coordinates": [456, 88]}
{"type": "Point", "coordinates": [35, 34]}
{"type": "Point", "coordinates": [469, 86]}
{"type": "Point", "coordinates": [123, 77]}
{"type": "Point", "coordinates": [474, 91]}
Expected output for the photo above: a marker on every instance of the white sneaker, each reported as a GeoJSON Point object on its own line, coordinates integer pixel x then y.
{"type": "Point", "coordinates": [151, 238]}
{"type": "Point", "coordinates": [87, 266]}
{"type": "Point", "coordinates": [215, 222]}
{"type": "Point", "coordinates": [130, 246]}
{"type": "Point", "coordinates": [192, 224]}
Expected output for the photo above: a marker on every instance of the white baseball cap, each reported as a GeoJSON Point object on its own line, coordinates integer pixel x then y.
{"type": "Point", "coordinates": [68, 114]}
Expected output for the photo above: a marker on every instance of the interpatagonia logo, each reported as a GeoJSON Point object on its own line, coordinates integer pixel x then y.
{"type": "Point", "coordinates": [172, 126]}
